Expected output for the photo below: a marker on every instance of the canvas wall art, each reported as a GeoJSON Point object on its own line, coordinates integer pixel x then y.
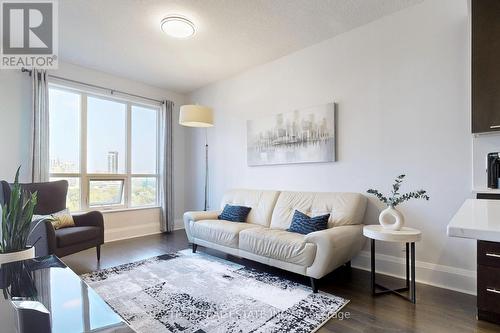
{"type": "Point", "coordinates": [300, 136]}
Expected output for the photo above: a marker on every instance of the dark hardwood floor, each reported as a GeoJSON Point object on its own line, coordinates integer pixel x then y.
{"type": "Point", "coordinates": [437, 310]}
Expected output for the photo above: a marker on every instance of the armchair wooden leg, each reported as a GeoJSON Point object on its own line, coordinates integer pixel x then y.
{"type": "Point", "coordinates": [98, 250]}
{"type": "Point", "coordinates": [195, 246]}
{"type": "Point", "coordinates": [314, 285]}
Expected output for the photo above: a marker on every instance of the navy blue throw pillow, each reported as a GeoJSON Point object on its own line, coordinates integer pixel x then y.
{"type": "Point", "coordinates": [234, 213]}
{"type": "Point", "coordinates": [303, 224]}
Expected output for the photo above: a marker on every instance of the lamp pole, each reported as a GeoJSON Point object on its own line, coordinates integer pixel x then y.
{"type": "Point", "coordinates": [199, 116]}
{"type": "Point", "coordinates": [206, 169]}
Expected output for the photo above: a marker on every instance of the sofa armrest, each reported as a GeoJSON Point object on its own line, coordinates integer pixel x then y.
{"type": "Point", "coordinates": [334, 247]}
{"type": "Point", "coordinates": [201, 215]}
{"type": "Point", "coordinates": [91, 219]}
{"type": "Point", "coordinates": [192, 217]}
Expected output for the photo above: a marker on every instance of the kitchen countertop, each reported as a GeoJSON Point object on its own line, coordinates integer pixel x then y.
{"type": "Point", "coordinates": [477, 219]}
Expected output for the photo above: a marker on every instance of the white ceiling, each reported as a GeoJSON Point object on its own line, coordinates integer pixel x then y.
{"type": "Point", "coordinates": [123, 37]}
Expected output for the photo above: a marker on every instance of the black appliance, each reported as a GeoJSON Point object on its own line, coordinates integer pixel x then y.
{"type": "Point", "coordinates": [493, 169]}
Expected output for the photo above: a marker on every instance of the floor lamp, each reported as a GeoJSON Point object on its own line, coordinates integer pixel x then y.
{"type": "Point", "coordinates": [199, 116]}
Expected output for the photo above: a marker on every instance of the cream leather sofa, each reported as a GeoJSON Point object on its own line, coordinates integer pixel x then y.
{"type": "Point", "coordinates": [264, 238]}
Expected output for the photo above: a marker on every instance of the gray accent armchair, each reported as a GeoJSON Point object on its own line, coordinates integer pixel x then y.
{"type": "Point", "coordinates": [87, 233]}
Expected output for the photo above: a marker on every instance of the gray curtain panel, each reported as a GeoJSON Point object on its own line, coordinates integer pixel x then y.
{"type": "Point", "coordinates": [40, 127]}
{"type": "Point", "coordinates": [166, 167]}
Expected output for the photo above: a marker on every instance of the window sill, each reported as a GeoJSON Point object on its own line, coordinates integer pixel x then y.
{"type": "Point", "coordinates": [117, 210]}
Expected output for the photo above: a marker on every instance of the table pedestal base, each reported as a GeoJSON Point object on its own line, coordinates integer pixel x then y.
{"type": "Point", "coordinates": [410, 287]}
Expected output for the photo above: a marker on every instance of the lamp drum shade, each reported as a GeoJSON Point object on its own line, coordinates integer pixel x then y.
{"type": "Point", "coordinates": [196, 116]}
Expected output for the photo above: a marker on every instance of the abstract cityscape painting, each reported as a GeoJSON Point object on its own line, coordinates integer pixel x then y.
{"type": "Point", "coordinates": [300, 136]}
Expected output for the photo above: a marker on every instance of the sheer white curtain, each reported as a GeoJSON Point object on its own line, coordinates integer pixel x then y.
{"type": "Point", "coordinates": [166, 167]}
{"type": "Point", "coordinates": [40, 127]}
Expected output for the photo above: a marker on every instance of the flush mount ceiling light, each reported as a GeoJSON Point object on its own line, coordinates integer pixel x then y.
{"type": "Point", "coordinates": [178, 27]}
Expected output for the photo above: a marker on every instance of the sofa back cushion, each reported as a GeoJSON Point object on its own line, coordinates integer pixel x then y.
{"type": "Point", "coordinates": [51, 196]}
{"type": "Point", "coordinates": [261, 202]}
{"type": "Point", "coordinates": [344, 208]}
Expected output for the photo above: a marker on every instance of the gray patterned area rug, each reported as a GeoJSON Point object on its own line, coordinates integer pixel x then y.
{"type": "Point", "coordinates": [196, 293]}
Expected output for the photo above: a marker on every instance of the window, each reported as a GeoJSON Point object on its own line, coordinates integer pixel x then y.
{"type": "Point", "coordinates": [144, 148]}
{"type": "Point", "coordinates": [105, 192]}
{"type": "Point", "coordinates": [106, 148]}
{"type": "Point", "coordinates": [106, 136]}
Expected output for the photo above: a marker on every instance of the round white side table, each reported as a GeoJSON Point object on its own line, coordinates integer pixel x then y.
{"type": "Point", "coordinates": [406, 235]}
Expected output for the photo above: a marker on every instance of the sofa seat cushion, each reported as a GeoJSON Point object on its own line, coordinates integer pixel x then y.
{"type": "Point", "coordinates": [278, 244]}
{"type": "Point", "coordinates": [220, 232]}
{"type": "Point", "coordinates": [76, 235]}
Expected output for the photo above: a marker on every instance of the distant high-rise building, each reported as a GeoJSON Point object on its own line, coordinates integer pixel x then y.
{"type": "Point", "coordinates": [112, 162]}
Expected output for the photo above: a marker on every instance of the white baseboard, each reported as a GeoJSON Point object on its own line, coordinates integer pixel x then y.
{"type": "Point", "coordinates": [179, 224]}
{"type": "Point", "coordinates": [116, 234]}
{"type": "Point", "coordinates": [441, 276]}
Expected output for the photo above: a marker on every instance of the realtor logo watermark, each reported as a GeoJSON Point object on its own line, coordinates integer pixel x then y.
{"type": "Point", "coordinates": [29, 34]}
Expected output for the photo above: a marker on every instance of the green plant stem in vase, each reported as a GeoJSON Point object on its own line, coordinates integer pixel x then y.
{"type": "Point", "coordinates": [391, 218]}
{"type": "Point", "coordinates": [15, 223]}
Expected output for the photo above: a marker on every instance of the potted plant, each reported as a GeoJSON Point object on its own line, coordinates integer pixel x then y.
{"type": "Point", "coordinates": [391, 218]}
{"type": "Point", "coordinates": [16, 216]}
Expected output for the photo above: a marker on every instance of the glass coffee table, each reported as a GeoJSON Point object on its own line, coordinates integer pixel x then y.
{"type": "Point", "coordinates": [43, 295]}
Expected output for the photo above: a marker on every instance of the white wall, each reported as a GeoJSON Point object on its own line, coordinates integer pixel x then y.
{"type": "Point", "coordinates": [15, 133]}
{"type": "Point", "coordinates": [15, 102]}
{"type": "Point", "coordinates": [401, 84]}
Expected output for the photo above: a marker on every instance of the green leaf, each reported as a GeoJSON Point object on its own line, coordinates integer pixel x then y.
{"type": "Point", "coordinates": [16, 218]}
{"type": "Point", "coordinates": [396, 197]}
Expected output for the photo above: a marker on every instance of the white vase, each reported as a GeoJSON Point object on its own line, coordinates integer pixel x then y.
{"type": "Point", "coordinates": [18, 255]}
{"type": "Point", "coordinates": [391, 219]}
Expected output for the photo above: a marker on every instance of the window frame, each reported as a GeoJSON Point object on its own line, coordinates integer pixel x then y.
{"type": "Point", "coordinates": [84, 177]}
{"type": "Point", "coordinates": [94, 179]}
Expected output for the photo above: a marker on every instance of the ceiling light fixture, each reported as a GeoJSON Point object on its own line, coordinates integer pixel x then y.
{"type": "Point", "coordinates": [178, 27]}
